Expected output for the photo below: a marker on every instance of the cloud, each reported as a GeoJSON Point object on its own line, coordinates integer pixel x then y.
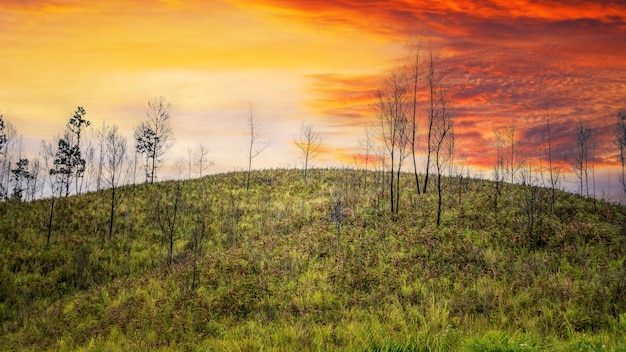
{"type": "Point", "coordinates": [506, 62]}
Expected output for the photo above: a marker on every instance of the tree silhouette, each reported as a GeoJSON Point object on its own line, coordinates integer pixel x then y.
{"type": "Point", "coordinates": [309, 144]}
{"type": "Point", "coordinates": [394, 129]}
{"type": "Point", "coordinates": [153, 137]}
{"type": "Point", "coordinates": [68, 162]}
{"type": "Point", "coordinates": [21, 175]}
{"type": "Point", "coordinates": [620, 140]}
{"type": "Point", "coordinates": [256, 146]}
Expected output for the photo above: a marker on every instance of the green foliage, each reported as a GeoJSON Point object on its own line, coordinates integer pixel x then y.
{"type": "Point", "coordinates": [320, 265]}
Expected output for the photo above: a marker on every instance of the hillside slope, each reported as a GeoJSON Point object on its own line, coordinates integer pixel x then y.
{"type": "Point", "coordinates": [315, 266]}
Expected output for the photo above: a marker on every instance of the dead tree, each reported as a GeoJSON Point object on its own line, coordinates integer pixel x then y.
{"type": "Point", "coordinates": [167, 214]}
{"type": "Point", "coordinates": [309, 143]}
{"type": "Point", "coordinates": [434, 77]}
{"type": "Point", "coordinates": [620, 140]}
{"type": "Point", "coordinates": [554, 171]}
{"type": "Point", "coordinates": [580, 162]}
{"type": "Point", "coordinates": [256, 146]}
{"type": "Point", "coordinates": [201, 161]}
{"type": "Point", "coordinates": [394, 130]}
{"type": "Point", "coordinates": [444, 144]}
{"type": "Point", "coordinates": [414, 76]}
{"type": "Point", "coordinates": [498, 169]}
{"type": "Point", "coordinates": [115, 169]}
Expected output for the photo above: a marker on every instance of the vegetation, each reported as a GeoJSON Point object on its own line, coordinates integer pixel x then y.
{"type": "Point", "coordinates": [206, 265]}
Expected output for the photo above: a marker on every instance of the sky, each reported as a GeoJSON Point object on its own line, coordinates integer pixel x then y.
{"type": "Point", "coordinates": [318, 62]}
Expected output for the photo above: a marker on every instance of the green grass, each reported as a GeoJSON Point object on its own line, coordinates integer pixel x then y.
{"type": "Point", "coordinates": [265, 270]}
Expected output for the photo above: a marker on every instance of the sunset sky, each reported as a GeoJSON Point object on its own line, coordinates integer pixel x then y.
{"type": "Point", "coordinates": [313, 61]}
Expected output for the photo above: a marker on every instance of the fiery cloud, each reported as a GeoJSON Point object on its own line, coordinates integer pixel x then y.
{"type": "Point", "coordinates": [508, 63]}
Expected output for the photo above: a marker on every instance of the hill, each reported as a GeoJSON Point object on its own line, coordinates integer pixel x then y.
{"type": "Point", "coordinates": [206, 265]}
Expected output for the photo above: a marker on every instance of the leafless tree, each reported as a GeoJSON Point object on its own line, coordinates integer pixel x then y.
{"type": "Point", "coordinates": [620, 140]}
{"type": "Point", "coordinates": [167, 215]}
{"type": "Point", "coordinates": [8, 137]}
{"type": "Point", "coordinates": [309, 143]}
{"type": "Point", "coordinates": [201, 161]}
{"type": "Point", "coordinates": [154, 136]}
{"type": "Point", "coordinates": [434, 77]}
{"type": "Point", "coordinates": [512, 160]}
{"type": "Point", "coordinates": [179, 165]}
{"type": "Point", "coordinates": [554, 171]}
{"type": "Point", "coordinates": [580, 162]}
{"type": "Point", "coordinates": [256, 145]}
{"type": "Point", "coordinates": [394, 129]}
{"type": "Point", "coordinates": [54, 182]}
{"type": "Point", "coordinates": [443, 134]}
{"type": "Point", "coordinates": [414, 76]}
{"type": "Point", "coordinates": [498, 168]}
{"type": "Point", "coordinates": [115, 169]}
{"type": "Point", "coordinates": [367, 146]}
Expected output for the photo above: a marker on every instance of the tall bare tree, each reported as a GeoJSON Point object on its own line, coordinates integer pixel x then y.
{"type": "Point", "coordinates": [309, 143]}
{"type": "Point", "coordinates": [54, 182]}
{"type": "Point", "coordinates": [620, 140]}
{"type": "Point", "coordinates": [3, 163]}
{"type": "Point", "coordinates": [513, 162]}
{"type": "Point", "coordinates": [154, 136]}
{"type": "Point", "coordinates": [256, 145]}
{"type": "Point", "coordinates": [394, 129]}
{"type": "Point", "coordinates": [580, 162]}
{"type": "Point", "coordinates": [115, 169]}
{"type": "Point", "coordinates": [414, 76]}
{"type": "Point", "coordinates": [444, 144]}
{"type": "Point", "coordinates": [200, 159]}
{"type": "Point", "coordinates": [167, 213]}
{"type": "Point", "coordinates": [554, 171]}
{"type": "Point", "coordinates": [434, 77]}
{"type": "Point", "coordinates": [498, 168]}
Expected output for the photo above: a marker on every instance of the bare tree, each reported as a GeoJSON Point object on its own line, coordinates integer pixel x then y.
{"type": "Point", "coordinates": [256, 145]}
{"type": "Point", "coordinates": [8, 136]}
{"type": "Point", "coordinates": [115, 169]}
{"type": "Point", "coordinates": [201, 161]}
{"type": "Point", "coordinates": [580, 162]}
{"type": "Point", "coordinates": [513, 162]}
{"type": "Point", "coordinates": [309, 143]}
{"type": "Point", "coordinates": [179, 165]}
{"type": "Point", "coordinates": [394, 129]}
{"type": "Point", "coordinates": [167, 214]}
{"type": "Point", "coordinates": [55, 184]}
{"type": "Point", "coordinates": [414, 76]}
{"type": "Point", "coordinates": [100, 135]}
{"type": "Point", "coordinates": [367, 146]}
{"type": "Point", "coordinates": [444, 144]}
{"type": "Point", "coordinates": [154, 136]}
{"type": "Point", "coordinates": [33, 183]}
{"type": "Point", "coordinates": [620, 140]}
{"type": "Point", "coordinates": [434, 76]}
{"type": "Point", "coordinates": [498, 168]}
{"type": "Point", "coordinates": [554, 171]}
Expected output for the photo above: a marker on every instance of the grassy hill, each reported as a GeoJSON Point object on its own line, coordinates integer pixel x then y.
{"type": "Point", "coordinates": [322, 265]}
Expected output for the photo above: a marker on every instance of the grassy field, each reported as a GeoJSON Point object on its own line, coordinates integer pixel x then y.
{"type": "Point", "coordinates": [322, 265]}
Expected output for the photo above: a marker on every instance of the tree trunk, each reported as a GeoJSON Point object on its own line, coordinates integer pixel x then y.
{"type": "Point", "coordinates": [112, 215]}
{"type": "Point", "coordinates": [439, 198]}
{"type": "Point", "coordinates": [50, 222]}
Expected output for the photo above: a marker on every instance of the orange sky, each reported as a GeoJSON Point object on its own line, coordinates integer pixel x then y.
{"type": "Point", "coordinates": [315, 61]}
